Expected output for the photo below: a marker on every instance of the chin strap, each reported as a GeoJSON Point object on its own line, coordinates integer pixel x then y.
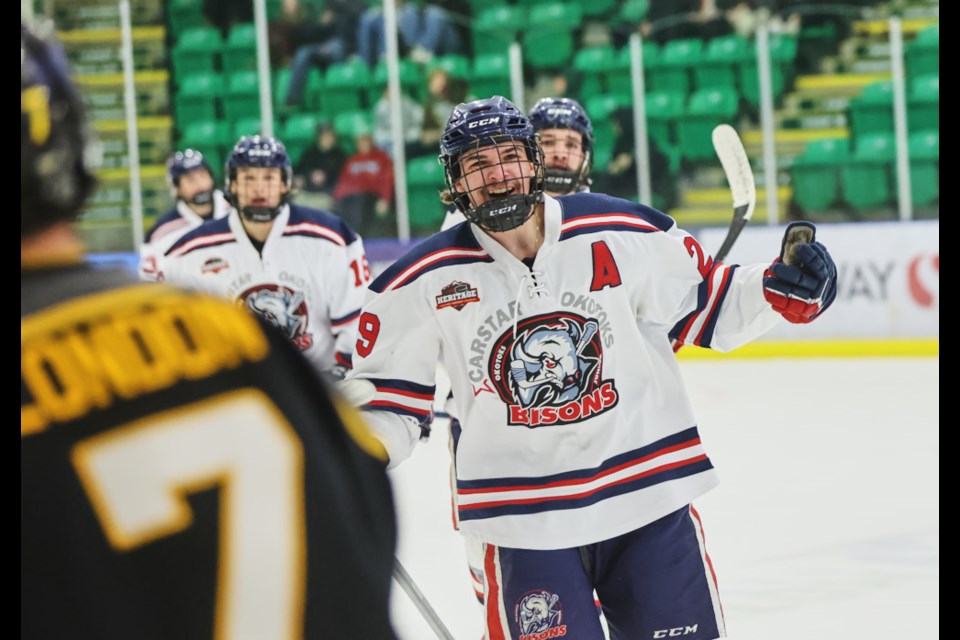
{"type": "Point", "coordinates": [260, 214]}
{"type": "Point", "coordinates": [202, 198]}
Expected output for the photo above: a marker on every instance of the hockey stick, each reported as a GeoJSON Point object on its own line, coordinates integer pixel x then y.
{"type": "Point", "coordinates": [410, 588]}
{"type": "Point", "coordinates": [739, 174]}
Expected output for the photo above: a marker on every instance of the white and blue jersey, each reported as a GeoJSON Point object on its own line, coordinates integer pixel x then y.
{"type": "Point", "coordinates": [576, 426]}
{"type": "Point", "coordinates": [309, 280]}
{"type": "Point", "coordinates": [169, 228]}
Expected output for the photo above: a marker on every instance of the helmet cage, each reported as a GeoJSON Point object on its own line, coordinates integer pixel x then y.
{"type": "Point", "coordinates": [258, 152]}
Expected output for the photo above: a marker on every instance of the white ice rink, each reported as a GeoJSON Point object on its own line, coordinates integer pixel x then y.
{"type": "Point", "coordinates": [825, 525]}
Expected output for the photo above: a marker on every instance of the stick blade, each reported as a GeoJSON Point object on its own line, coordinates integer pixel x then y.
{"type": "Point", "coordinates": [736, 166]}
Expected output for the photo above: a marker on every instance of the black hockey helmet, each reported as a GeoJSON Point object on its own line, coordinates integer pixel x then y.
{"type": "Point", "coordinates": [56, 154]}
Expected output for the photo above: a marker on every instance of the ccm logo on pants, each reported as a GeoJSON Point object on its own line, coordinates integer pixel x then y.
{"type": "Point", "coordinates": [675, 632]}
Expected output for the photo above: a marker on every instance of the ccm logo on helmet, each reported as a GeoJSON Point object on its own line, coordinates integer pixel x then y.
{"type": "Point", "coordinates": [485, 121]}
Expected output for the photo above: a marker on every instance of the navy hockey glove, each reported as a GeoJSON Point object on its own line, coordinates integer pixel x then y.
{"type": "Point", "coordinates": [802, 282]}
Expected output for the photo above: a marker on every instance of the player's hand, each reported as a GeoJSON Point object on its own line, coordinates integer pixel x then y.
{"type": "Point", "coordinates": [802, 282]}
{"type": "Point", "coordinates": [381, 208]}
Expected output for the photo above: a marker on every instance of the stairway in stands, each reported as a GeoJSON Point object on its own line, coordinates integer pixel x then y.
{"type": "Point", "coordinates": [815, 106]}
{"type": "Point", "coordinates": [91, 34]}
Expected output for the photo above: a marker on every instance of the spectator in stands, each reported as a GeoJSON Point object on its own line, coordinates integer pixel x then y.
{"type": "Point", "coordinates": [223, 14]}
{"type": "Point", "coordinates": [323, 38]}
{"type": "Point", "coordinates": [364, 192]}
{"type": "Point", "coordinates": [411, 115]}
{"type": "Point", "coordinates": [427, 29]}
{"type": "Point", "coordinates": [444, 92]}
{"type": "Point", "coordinates": [318, 169]}
{"type": "Point", "coordinates": [619, 177]}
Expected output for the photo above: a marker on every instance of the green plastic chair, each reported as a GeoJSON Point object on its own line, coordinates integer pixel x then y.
{"type": "Point", "coordinates": [872, 110]}
{"type": "Point", "coordinates": [242, 98]}
{"type": "Point", "coordinates": [345, 86]}
{"type": "Point", "coordinates": [866, 177]}
{"type": "Point", "coordinates": [209, 137]}
{"type": "Point", "coordinates": [925, 167]}
{"type": "Point", "coordinates": [424, 183]}
{"type": "Point", "coordinates": [596, 9]}
{"type": "Point", "coordinates": [632, 12]}
{"type": "Point", "coordinates": [720, 62]}
{"type": "Point", "coordinates": [815, 174]}
{"type": "Point", "coordinates": [923, 103]}
{"type": "Point", "coordinates": [601, 109]}
{"type": "Point", "coordinates": [663, 109]}
{"type": "Point", "coordinates": [456, 66]}
{"type": "Point", "coordinates": [183, 15]}
{"type": "Point", "coordinates": [923, 54]}
{"type": "Point", "coordinates": [494, 29]}
{"type": "Point", "coordinates": [783, 57]}
{"type": "Point", "coordinates": [298, 132]}
{"type": "Point", "coordinates": [617, 78]}
{"type": "Point", "coordinates": [198, 97]}
{"type": "Point", "coordinates": [707, 108]}
{"type": "Point", "coordinates": [548, 41]}
{"type": "Point", "coordinates": [252, 126]}
{"type": "Point", "coordinates": [350, 124]}
{"type": "Point", "coordinates": [672, 71]}
{"type": "Point", "coordinates": [240, 48]}
{"type": "Point", "coordinates": [491, 75]}
{"type": "Point", "coordinates": [591, 66]}
{"type": "Point", "coordinates": [412, 81]}
{"type": "Point", "coordinates": [196, 50]}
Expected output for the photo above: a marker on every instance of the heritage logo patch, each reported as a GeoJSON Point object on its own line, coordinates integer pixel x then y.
{"type": "Point", "coordinates": [457, 295]}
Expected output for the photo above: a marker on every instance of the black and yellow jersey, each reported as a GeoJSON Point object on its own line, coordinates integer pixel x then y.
{"type": "Point", "coordinates": [184, 473]}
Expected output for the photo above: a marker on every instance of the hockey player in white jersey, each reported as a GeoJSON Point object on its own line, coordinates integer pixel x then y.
{"type": "Point", "coordinates": [303, 269]}
{"type": "Point", "coordinates": [566, 137]}
{"type": "Point", "coordinates": [579, 456]}
{"type": "Point", "coordinates": [565, 133]}
{"type": "Point", "coordinates": [190, 179]}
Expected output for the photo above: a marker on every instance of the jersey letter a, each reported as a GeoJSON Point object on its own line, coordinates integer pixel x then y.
{"type": "Point", "coordinates": [605, 271]}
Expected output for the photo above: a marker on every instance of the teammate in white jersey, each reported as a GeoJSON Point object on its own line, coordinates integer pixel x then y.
{"type": "Point", "coordinates": [190, 179]}
{"type": "Point", "coordinates": [578, 456]}
{"type": "Point", "coordinates": [303, 269]}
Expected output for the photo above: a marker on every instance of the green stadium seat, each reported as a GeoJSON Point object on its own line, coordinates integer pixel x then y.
{"type": "Point", "coordinates": [632, 12]}
{"type": "Point", "coordinates": [252, 126]}
{"type": "Point", "coordinates": [923, 102]}
{"type": "Point", "coordinates": [345, 87]}
{"type": "Point", "coordinates": [872, 110]}
{"type": "Point", "coordinates": [548, 42]}
{"type": "Point", "coordinates": [618, 79]}
{"type": "Point", "coordinates": [183, 15]}
{"type": "Point", "coordinates": [925, 167]}
{"type": "Point", "coordinates": [425, 181]}
{"type": "Point", "coordinates": [672, 70]}
{"type": "Point", "coordinates": [595, 9]}
{"type": "Point", "coordinates": [663, 109]}
{"type": "Point", "coordinates": [299, 132]}
{"type": "Point", "coordinates": [209, 137]}
{"type": "Point", "coordinates": [783, 56]}
{"type": "Point", "coordinates": [720, 62]}
{"type": "Point", "coordinates": [707, 108]}
{"type": "Point", "coordinates": [494, 29]}
{"type": "Point", "coordinates": [196, 50]}
{"type": "Point", "coordinates": [866, 177]}
{"type": "Point", "coordinates": [456, 66]}
{"type": "Point", "coordinates": [923, 54]}
{"type": "Point", "coordinates": [198, 97]}
{"type": "Point", "coordinates": [601, 109]}
{"type": "Point", "coordinates": [240, 48]}
{"type": "Point", "coordinates": [350, 124]}
{"type": "Point", "coordinates": [491, 75]}
{"type": "Point", "coordinates": [242, 98]}
{"type": "Point", "coordinates": [815, 174]}
{"type": "Point", "coordinates": [412, 81]}
{"type": "Point", "coordinates": [592, 66]}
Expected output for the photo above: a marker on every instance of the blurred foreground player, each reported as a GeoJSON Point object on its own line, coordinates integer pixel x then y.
{"type": "Point", "coordinates": [183, 471]}
{"type": "Point", "coordinates": [579, 456]}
